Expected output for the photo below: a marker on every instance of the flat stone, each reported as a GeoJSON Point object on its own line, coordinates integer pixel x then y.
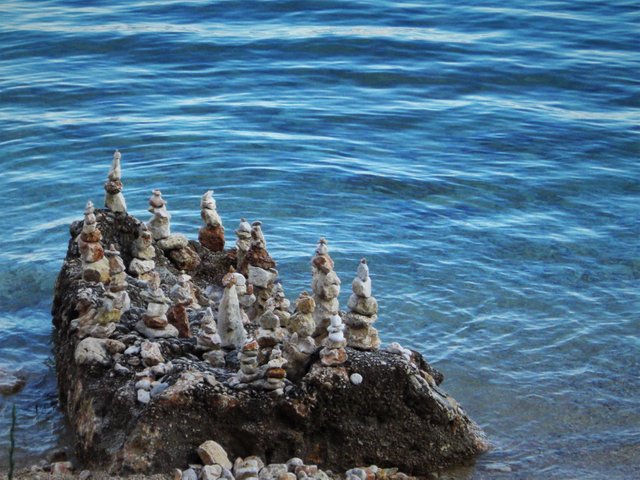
{"type": "Point", "coordinates": [139, 267]}
{"type": "Point", "coordinates": [173, 242]}
{"type": "Point", "coordinates": [364, 306]}
{"type": "Point", "coordinates": [212, 453]}
{"type": "Point", "coordinates": [189, 474]}
{"type": "Point", "coordinates": [166, 332]}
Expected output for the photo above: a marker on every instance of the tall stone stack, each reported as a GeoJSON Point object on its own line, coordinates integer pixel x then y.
{"type": "Point", "coordinates": [211, 235]}
{"type": "Point", "coordinates": [333, 354]}
{"type": "Point", "coordinates": [154, 323]}
{"type": "Point", "coordinates": [300, 346]}
{"type": "Point", "coordinates": [182, 297]}
{"type": "Point", "coordinates": [95, 268]}
{"type": "Point", "coordinates": [113, 199]}
{"type": "Point", "coordinates": [282, 305]}
{"type": "Point", "coordinates": [230, 328]}
{"type": "Point", "coordinates": [175, 246]}
{"type": "Point", "coordinates": [143, 253]}
{"type": "Point", "coordinates": [160, 223]}
{"type": "Point", "coordinates": [261, 269]}
{"type": "Point", "coordinates": [326, 288]}
{"type": "Point", "coordinates": [364, 312]}
{"type": "Point", "coordinates": [209, 341]}
{"type": "Point", "coordinates": [243, 243]}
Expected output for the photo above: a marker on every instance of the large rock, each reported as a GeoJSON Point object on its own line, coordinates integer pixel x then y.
{"type": "Point", "coordinates": [397, 416]}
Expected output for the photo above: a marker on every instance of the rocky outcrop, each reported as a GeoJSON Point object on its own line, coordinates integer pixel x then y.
{"type": "Point", "coordinates": [144, 403]}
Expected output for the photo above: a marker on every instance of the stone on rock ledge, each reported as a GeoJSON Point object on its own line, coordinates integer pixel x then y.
{"type": "Point", "coordinates": [185, 258]}
{"type": "Point", "coordinates": [260, 277]}
{"type": "Point", "coordinates": [212, 453]}
{"type": "Point", "coordinates": [151, 354]}
{"type": "Point", "coordinates": [167, 332]}
{"type": "Point", "coordinates": [173, 242]}
{"type": "Point", "coordinates": [96, 351]}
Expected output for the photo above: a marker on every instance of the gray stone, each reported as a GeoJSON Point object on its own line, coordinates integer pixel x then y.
{"type": "Point", "coordinates": [10, 383]}
{"type": "Point", "coordinates": [144, 396]}
{"type": "Point", "coordinates": [211, 472]}
{"type": "Point", "coordinates": [356, 378]}
{"type": "Point", "coordinates": [259, 277]}
{"type": "Point", "coordinates": [92, 351]}
{"type": "Point", "coordinates": [166, 332]}
{"type": "Point", "coordinates": [173, 242]}
{"type": "Point", "coordinates": [189, 474]}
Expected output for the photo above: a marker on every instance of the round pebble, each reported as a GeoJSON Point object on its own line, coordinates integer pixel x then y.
{"type": "Point", "coordinates": [356, 378]}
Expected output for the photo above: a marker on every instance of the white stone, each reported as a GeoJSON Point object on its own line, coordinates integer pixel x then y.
{"type": "Point", "coordinates": [230, 328]}
{"type": "Point", "coordinates": [361, 288]}
{"type": "Point", "coordinates": [132, 350]}
{"type": "Point", "coordinates": [139, 267]}
{"type": "Point", "coordinates": [356, 378]}
{"type": "Point", "coordinates": [144, 396]}
{"type": "Point", "coordinates": [189, 474]}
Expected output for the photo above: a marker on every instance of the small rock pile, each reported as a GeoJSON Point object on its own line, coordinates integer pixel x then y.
{"type": "Point", "coordinates": [113, 198]}
{"type": "Point", "coordinates": [364, 312]}
{"type": "Point", "coordinates": [326, 288]}
{"type": "Point", "coordinates": [95, 268]}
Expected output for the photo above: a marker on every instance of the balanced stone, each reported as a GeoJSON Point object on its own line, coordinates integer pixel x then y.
{"type": "Point", "coordinates": [243, 242]}
{"type": "Point", "coordinates": [209, 341]}
{"type": "Point", "coordinates": [113, 199]}
{"type": "Point", "coordinates": [95, 268]}
{"type": "Point", "coordinates": [154, 323]}
{"type": "Point", "coordinates": [364, 308]}
{"type": "Point", "coordinates": [326, 288]}
{"type": "Point", "coordinates": [160, 223]}
{"type": "Point", "coordinates": [333, 354]}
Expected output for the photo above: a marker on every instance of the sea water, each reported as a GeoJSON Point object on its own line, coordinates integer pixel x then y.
{"type": "Point", "coordinates": [483, 156]}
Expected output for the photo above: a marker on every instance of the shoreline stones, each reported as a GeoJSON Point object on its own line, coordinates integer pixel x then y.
{"type": "Point", "coordinates": [364, 312]}
{"type": "Point", "coordinates": [211, 235]}
{"type": "Point", "coordinates": [144, 254]}
{"type": "Point", "coordinates": [326, 288]}
{"type": "Point", "coordinates": [113, 198]}
{"type": "Point", "coordinates": [95, 268]}
{"type": "Point", "coordinates": [261, 269]}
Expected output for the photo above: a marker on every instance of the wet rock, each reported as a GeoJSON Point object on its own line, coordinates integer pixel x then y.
{"type": "Point", "coordinates": [10, 383]}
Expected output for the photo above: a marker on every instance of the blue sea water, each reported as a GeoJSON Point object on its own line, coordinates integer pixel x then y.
{"type": "Point", "coordinates": [484, 156]}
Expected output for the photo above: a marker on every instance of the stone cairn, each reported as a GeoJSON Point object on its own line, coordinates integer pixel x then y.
{"type": "Point", "coordinates": [246, 298]}
{"type": "Point", "coordinates": [113, 198]}
{"type": "Point", "coordinates": [209, 341]}
{"type": "Point", "coordinates": [243, 243]}
{"type": "Point", "coordinates": [249, 373]}
{"type": "Point", "coordinates": [269, 333]}
{"type": "Point", "coordinates": [326, 288]}
{"type": "Point", "coordinates": [154, 323]}
{"type": "Point", "coordinates": [160, 224]}
{"type": "Point", "coordinates": [275, 373]}
{"type": "Point", "coordinates": [101, 322]}
{"type": "Point", "coordinates": [175, 246]}
{"type": "Point", "coordinates": [364, 312]}
{"type": "Point", "coordinates": [301, 346]}
{"type": "Point", "coordinates": [261, 269]}
{"type": "Point", "coordinates": [333, 354]}
{"type": "Point", "coordinates": [182, 297]}
{"type": "Point", "coordinates": [211, 235]}
{"type": "Point", "coordinates": [230, 328]}
{"type": "Point", "coordinates": [95, 268]}
{"type": "Point", "coordinates": [282, 305]}
{"type": "Point", "coordinates": [144, 253]}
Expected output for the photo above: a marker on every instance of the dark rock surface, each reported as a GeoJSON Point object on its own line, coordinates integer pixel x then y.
{"type": "Point", "coordinates": [398, 416]}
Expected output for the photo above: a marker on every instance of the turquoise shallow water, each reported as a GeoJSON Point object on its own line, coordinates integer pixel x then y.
{"type": "Point", "coordinates": [483, 156]}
